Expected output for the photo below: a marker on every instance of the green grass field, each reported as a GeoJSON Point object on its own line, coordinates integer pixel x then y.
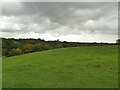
{"type": "Point", "coordinates": [76, 67]}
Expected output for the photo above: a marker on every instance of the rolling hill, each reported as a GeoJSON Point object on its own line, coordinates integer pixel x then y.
{"type": "Point", "coordinates": [75, 67]}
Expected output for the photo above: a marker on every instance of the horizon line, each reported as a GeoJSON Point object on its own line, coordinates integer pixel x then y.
{"type": "Point", "coordinates": [60, 40]}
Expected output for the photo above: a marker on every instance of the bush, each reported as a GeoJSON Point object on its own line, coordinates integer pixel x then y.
{"type": "Point", "coordinates": [28, 48]}
{"type": "Point", "coordinates": [16, 51]}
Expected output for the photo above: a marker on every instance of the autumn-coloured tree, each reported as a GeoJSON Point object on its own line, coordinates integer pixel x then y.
{"type": "Point", "coordinates": [28, 48]}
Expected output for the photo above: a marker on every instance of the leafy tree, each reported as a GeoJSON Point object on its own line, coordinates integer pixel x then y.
{"type": "Point", "coordinates": [16, 51]}
{"type": "Point", "coordinates": [38, 47]}
{"type": "Point", "coordinates": [13, 46]}
{"type": "Point", "coordinates": [58, 44]}
{"type": "Point", "coordinates": [28, 48]}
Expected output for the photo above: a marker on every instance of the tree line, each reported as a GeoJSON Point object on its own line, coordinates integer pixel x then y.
{"type": "Point", "coordinates": [12, 47]}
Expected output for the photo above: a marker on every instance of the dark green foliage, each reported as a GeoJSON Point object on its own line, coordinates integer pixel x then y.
{"type": "Point", "coordinates": [16, 51]}
{"type": "Point", "coordinates": [118, 41]}
{"type": "Point", "coordinates": [10, 45]}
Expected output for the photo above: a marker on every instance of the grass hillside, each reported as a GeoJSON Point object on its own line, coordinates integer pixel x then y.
{"type": "Point", "coordinates": [76, 67]}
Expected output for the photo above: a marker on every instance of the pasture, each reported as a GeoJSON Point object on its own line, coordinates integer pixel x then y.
{"type": "Point", "coordinates": [75, 67]}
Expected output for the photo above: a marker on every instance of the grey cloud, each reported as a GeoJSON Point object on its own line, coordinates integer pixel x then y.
{"type": "Point", "coordinates": [61, 1]}
{"type": "Point", "coordinates": [62, 18]}
{"type": "Point", "coordinates": [63, 13]}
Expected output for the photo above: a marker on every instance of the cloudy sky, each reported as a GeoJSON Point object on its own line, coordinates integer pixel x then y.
{"type": "Point", "coordinates": [66, 21]}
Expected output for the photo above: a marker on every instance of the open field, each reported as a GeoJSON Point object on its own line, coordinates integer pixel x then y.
{"type": "Point", "coordinates": [76, 67]}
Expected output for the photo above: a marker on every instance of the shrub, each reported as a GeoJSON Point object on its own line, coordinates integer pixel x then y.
{"type": "Point", "coordinates": [16, 51]}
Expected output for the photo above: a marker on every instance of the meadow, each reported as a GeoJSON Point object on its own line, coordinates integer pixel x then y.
{"type": "Point", "coordinates": [73, 67]}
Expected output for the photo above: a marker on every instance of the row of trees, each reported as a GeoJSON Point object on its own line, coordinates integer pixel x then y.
{"type": "Point", "coordinates": [11, 47]}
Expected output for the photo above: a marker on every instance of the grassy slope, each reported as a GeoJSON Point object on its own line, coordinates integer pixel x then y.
{"type": "Point", "coordinates": [68, 67]}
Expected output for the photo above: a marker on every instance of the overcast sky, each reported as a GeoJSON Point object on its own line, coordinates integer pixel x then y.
{"type": "Point", "coordinates": [66, 21]}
